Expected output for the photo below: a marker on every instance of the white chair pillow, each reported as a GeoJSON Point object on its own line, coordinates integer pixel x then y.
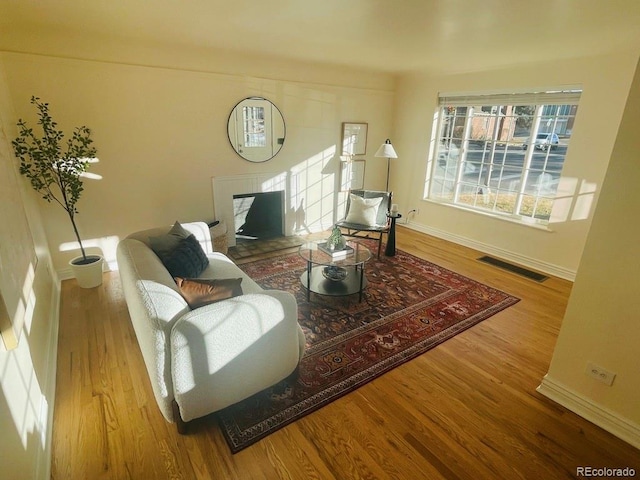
{"type": "Point", "coordinates": [363, 211]}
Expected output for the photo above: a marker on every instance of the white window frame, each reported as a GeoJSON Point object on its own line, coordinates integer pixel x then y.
{"type": "Point", "coordinates": [503, 100]}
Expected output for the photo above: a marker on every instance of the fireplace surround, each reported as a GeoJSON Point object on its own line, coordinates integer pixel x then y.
{"type": "Point", "coordinates": [225, 188]}
{"type": "Point", "coordinates": [258, 215]}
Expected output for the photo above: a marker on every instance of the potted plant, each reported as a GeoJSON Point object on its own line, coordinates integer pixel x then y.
{"type": "Point", "coordinates": [55, 168]}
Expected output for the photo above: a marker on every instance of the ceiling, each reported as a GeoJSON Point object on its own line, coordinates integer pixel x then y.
{"type": "Point", "coordinates": [393, 36]}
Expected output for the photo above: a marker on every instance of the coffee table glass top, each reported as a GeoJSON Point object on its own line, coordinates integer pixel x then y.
{"type": "Point", "coordinates": [311, 253]}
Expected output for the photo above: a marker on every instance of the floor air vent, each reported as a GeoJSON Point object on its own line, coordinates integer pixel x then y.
{"type": "Point", "coordinates": [538, 277]}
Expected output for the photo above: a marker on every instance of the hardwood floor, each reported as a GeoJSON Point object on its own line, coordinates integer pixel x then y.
{"type": "Point", "coordinates": [467, 409]}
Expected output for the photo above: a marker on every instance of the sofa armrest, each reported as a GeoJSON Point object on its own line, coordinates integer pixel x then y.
{"type": "Point", "coordinates": [290, 306]}
{"type": "Point", "coordinates": [227, 351]}
{"type": "Point", "coordinates": [287, 301]}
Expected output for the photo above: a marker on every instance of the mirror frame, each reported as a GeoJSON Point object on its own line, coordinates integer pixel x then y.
{"type": "Point", "coordinates": [358, 131]}
{"type": "Point", "coordinates": [277, 126]}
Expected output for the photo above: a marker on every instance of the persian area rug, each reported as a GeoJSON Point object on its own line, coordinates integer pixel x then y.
{"type": "Point", "coordinates": [408, 307]}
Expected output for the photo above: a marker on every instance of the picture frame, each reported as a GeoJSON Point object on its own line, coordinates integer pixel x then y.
{"type": "Point", "coordinates": [352, 174]}
{"type": "Point", "coordinates": [354, 138]}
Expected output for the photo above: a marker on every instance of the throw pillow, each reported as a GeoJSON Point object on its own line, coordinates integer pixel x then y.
{"type": "Point", "coordinates": [363, 211]}
{"type": "Point", "coordinates": [202, 291]}
{"type": "Point", "coordinates": [164, 244]}
{"type": "Point", "coordinates": [186, 260]}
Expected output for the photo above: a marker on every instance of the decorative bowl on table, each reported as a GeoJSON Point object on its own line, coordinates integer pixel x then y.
{"type": "Point", "coordinates": [334, 273]}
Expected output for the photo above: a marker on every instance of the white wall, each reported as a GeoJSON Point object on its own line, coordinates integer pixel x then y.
{"type": "Point", "coordinates": [160, 126]}
{"type": "Point", "coordinates": [27, 373]}
{"type": "Point", "coordinates": [602, 321]}
{"type": "Point", "coordinates": [605, 82]}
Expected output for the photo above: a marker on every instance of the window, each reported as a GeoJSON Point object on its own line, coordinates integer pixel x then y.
{"type": "Point", "coordinates": [502, 154]}
{"type": "Point", "coordinates": [254, 129]}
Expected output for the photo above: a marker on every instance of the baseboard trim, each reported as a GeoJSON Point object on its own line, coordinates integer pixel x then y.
{"type": "Point", "coordinates": [611, 422]}
{"type": "Point", "coordinates": [501, 253]}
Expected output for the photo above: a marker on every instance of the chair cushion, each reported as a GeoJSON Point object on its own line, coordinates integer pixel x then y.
{"type": "Point", "coordinates": [363, 211]}
{"type": "Point", "coordinates": [203, 291]}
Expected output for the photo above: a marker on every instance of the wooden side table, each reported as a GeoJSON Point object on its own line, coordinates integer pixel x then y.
{"type": "Point", "coordinates": [390, 251]}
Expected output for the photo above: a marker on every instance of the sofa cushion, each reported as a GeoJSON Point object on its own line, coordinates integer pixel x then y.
{"type": "Point", "coordinates": [164, 244]}
{"type": "Point", "coordinates": [187, 259]}
{"type": "Point", "coordinates": [203, 291]}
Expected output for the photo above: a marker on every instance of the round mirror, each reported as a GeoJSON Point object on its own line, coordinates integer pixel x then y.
{"type": "Point", "coordinates": [256, 129]}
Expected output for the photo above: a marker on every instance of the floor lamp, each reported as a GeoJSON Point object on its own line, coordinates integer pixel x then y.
{"type": "Point", "coordinates": [386, 151]}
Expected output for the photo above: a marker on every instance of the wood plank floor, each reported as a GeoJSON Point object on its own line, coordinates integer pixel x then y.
{"type": "Point", "coordinates": [467, 409]}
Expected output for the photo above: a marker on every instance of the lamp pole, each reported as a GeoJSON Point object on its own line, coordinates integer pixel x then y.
{"type": "Point", "coordinates": [388, 170]}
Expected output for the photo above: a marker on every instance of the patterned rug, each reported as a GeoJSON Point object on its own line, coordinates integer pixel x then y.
{"type": "Point", "coordinates": [409, 306]}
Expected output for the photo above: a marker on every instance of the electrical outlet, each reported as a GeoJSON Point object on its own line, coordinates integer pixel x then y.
{"type": "Point", "coordinates": [599, 373]}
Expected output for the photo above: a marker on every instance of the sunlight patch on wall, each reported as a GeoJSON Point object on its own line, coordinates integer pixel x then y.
{"type": "Point", "coordinates": [29, 298]}
{"type": "Point", "coordinates": [12, 325]}
{"type": "Point", "coordinates": [584, 201]}
{"type": "Point", "coordinates": [25, 396]}
{"type": "Point", "coordinates": [91, 176]}
{"type": "Point", "coordinates": [274, 184]}
{"type": "Point", "coordinates": [313, 187]}
{"type": "Point", "coordinates": [9, 337]}
{"type": "Point", "coordinates": [563, 202]}
{"type": "Point", "coordinates": [574, 200]}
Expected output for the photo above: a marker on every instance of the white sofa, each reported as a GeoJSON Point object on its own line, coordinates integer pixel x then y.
{"type": "Point", "coordinates": [202, 360]}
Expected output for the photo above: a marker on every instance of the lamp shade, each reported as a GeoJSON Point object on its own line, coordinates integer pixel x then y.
{"type": "Point", "coordinates": [386, 150]}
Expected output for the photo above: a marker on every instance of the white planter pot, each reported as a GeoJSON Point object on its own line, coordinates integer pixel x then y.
{"type": "Point", "coordinates": [88, 275]}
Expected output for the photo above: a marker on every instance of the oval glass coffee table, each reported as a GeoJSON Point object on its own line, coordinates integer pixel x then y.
{"type": "Point", "coordinates": [339, 275]}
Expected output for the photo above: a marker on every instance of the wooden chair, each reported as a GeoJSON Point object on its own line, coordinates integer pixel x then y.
{"type": "Point", "coordinates": [375, 231]}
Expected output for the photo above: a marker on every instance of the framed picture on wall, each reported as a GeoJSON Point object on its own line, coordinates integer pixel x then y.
{"type": "Point", "coordinates": [354, 138]}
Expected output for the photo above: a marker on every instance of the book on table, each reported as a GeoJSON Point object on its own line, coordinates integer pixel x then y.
{"type": "Point", "coordinates": [347, 250]}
